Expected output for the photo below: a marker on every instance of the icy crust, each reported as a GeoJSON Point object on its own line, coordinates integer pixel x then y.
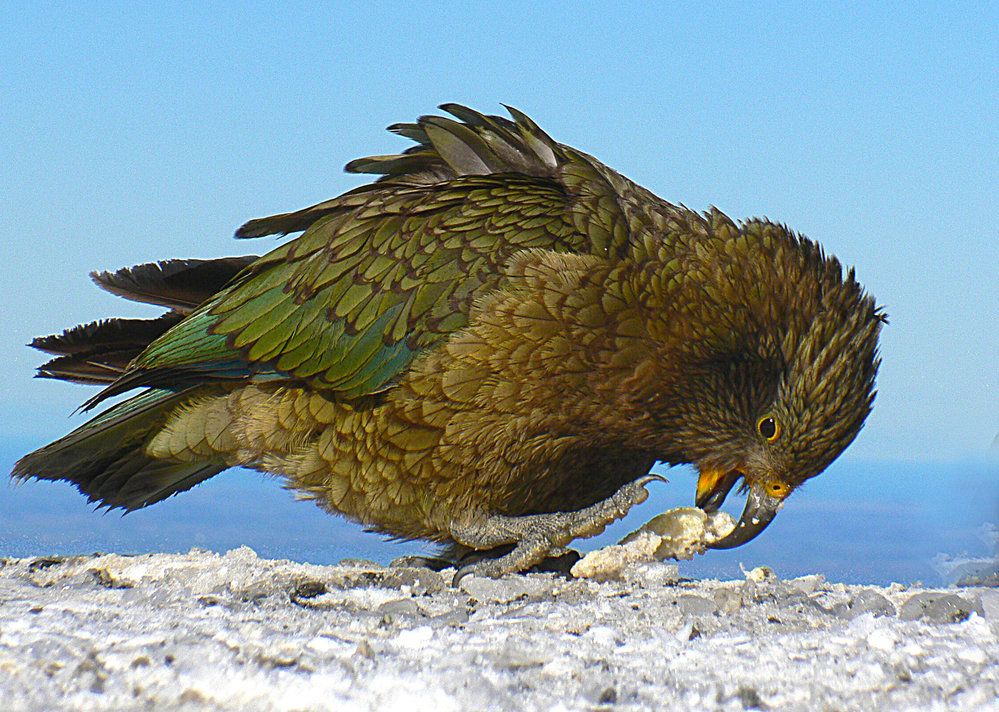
{"type": "Point", "coordinates": [679, 534]}
{"type": "Point", "coordinates": [235, 632]}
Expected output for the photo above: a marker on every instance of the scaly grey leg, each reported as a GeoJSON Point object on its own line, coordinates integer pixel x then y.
{"type": "Point", "coordinates": [537, 536]}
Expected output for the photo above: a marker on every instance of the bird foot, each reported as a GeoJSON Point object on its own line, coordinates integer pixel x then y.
{"type": "Point", "coordinates": [539, 536]}
{"type": "Point", "coordinates": [434, 563]}
{"type": "Point", "coordinates": [463, 556]}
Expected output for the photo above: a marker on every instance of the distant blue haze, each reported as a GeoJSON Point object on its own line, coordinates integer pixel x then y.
{"type": "Point", "coordinates": [860, 522]}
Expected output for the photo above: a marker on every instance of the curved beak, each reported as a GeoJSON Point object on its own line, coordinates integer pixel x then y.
{"type": "Point", "coordinates": [760, 510]}
{"type": "Point", "coordinates": [713, 487]}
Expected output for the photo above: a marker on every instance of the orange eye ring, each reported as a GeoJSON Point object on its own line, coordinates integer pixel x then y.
{"type": "Point", "coordinates": [778, 490]}
{"type": "Point", "coordinates": [769, 428]}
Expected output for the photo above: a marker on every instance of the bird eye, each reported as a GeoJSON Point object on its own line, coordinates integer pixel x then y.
{"type": "Point", "coordinates": [768, 428]}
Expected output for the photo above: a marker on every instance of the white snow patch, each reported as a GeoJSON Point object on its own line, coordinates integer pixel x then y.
{"type": "Point", "coordinates": [200, 631]}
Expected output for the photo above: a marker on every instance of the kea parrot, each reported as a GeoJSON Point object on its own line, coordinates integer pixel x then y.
{"type": "Point", "coordinates": [489, 346]}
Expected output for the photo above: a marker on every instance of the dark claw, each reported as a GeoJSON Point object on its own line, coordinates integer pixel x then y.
{"type": "Point", "coordinates": [434, 563]}
{"type": "Point", "coordinates": [652, 477]}
{"type": "Point", "coordinates": [462, 573]}
{"type": "Point", "coordinates": [760, 510]}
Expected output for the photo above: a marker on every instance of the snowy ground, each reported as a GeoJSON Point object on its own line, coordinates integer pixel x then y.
{"type": "Point", "coordinates": [202, 631]}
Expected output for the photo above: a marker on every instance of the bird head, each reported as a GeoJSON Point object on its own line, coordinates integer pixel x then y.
{"type": "Point", "coordinates": [784, 379]}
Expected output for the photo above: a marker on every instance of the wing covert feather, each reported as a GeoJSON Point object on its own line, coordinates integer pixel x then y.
{"type": "Point", "coordinates": [389, 269]}
{"type": "Point", "coordinates": [350, 303]}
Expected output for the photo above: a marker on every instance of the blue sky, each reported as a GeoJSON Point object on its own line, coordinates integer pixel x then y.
{"type": "Point", "coordinates": [134, 134]}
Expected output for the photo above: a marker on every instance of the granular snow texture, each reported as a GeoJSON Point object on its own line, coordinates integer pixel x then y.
{"type": "Point", "coordinates": [236, 632]}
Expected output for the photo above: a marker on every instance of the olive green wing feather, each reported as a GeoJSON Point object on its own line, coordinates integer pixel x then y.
{"type": "Point", "coordinates": [392, 268]}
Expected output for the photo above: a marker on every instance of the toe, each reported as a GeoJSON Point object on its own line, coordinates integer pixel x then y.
{"type": "Point", "coordinates": [487, 568]}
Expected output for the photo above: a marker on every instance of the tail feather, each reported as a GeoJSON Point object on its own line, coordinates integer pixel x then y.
{"type": "Point", "coordinates": [181, 285]}
{"type": "Point", "coordinates": [99, 352]}
{"type": "Point", "coordinates": [109, 333]}
{"type": "Point", "coordinates": [90, 372]}
{"type": "Point", "coordinates": [106, 457]}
